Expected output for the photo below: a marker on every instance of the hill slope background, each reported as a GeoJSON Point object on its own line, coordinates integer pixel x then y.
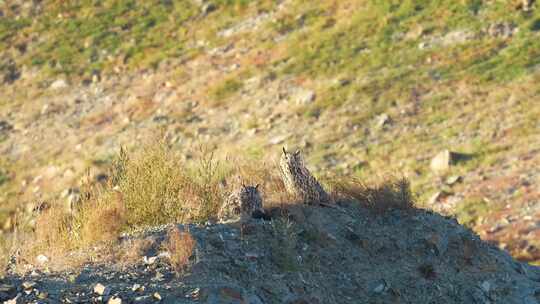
{"type": "Point", "coordinates": [364, 88]}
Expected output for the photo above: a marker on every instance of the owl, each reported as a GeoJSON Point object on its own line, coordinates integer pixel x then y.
{"type": "Point", "coordinates": [242, 204]}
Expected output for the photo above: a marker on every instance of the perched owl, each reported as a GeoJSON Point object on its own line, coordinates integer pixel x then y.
{"type": "Point", "coordinates": [299, 181]}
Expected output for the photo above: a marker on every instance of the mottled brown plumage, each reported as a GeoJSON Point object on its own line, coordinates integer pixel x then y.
{"type": "Point", "coordinates": [299, 181]}
{"type": "Point", "coordinates": [241, 204]}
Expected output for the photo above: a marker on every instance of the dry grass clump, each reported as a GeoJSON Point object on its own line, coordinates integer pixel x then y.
{"type": "Point", "coordinates": [132, 251]}
{"type": "Point", "coordinates": [52, 233]}
{"type": "Point", "coordinates": [157, 188]}
{"type": "Point", "coordinates": [391, 194]}
{"type": "Point", "coordinates": [150, 188]}
{"type": "Point", "coordinates": [4, 255]}
{"type": "Point", "coordinates": [179, 244]}
{"type": "Point", "coordinates": [151, 185]}
{"type": "Point", "coordinates": [98, 220]}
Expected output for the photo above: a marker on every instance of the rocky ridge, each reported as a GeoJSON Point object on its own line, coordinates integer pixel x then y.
{"type": "Point", "coordinates": [312, 255]}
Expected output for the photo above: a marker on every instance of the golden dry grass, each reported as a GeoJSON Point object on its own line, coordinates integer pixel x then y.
{"type": "Point", "coordinates": [179, 244]}
{"type": "Point", "coordinates": [390, 194]}
{"type": "Point", "coordinates": [4, 255]}
{"type": "Point", "coordinates": [132, 251]}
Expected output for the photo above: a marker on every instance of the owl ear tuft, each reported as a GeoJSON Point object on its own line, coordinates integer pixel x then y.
{"type": "Point", "coordinates": [284, 151]}
{"type": "Point", "coordinates": [297, 152]}
{"type": "Point", "coordinates": [257, 186]}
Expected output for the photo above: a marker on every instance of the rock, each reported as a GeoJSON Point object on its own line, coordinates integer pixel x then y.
{"type": "Point", "coordinates": [14, 300]}
{"type": "Point", "coordinates": [441, 162]}
{"type": "Point", "coordinates": [304, 97]}
{"type": "Point", "coordinates": [454, 179]}
{"type": "Point", "coordinates": [157, 296]}
{"type": "Point", "coordinates": [502, 30]}
{"type": "Point", "coordinates": [137, 288]}
{"type": "Point", "coordinates": [101, 290]}
{"type": "Point", "coordinates": [526, 5]}
{"type": "Point", "coordinates": [149, 260]}
{"type": "Point", "coordinates": [380, 286]}
{"type": "Point", "coordinates": [42, 259]}
{"type": "Point", "coordinates": [5, 126]}
{"type": "Point", "coordinates": [276, 140]}
{"type": "Point", "coordinates": [42, 295]}
{"type": "Point", "coordinates": [8, 224]}
{"type": "Point", "coordinates": [415, 33]}
{"type": "Point", "coordinates": [9, 71]}
{"type": "Point", "coordinates": [382, 120]}
{"type": "Point", "coordinates": [7, 292]}
{"type": "Point", "coordinates": [59, 84]}
{"type": "Point", "coordinates": [115, 300]}
{"type": "Point", "coordinates": [485, 286]}
{"type": "Point", "coordinates": [28, 285]}
{"type": "Point", "coordinates": [207, 8]}
{"type": "Point", "coordinates": [45, 109]}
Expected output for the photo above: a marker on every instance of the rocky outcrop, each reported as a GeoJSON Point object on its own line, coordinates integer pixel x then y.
{"type": "Point", "coordinates": [314, 255]}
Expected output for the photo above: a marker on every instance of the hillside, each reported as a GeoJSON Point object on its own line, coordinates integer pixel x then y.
{"type": "Point", "coordinates": [364, 88]}
{"type": "Point", "coordinates": [319, 255]}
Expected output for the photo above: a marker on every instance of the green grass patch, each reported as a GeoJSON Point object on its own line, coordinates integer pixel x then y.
{"type": "Point", "coordinates": [226, 89]}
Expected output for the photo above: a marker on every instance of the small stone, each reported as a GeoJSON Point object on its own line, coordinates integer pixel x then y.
{"type": "Point", "coordinates": [28, 285]}
{"type": "Point", "coordinates": [59, 84]}
{"type": "Point", "coordinates": [207, 8]}
{"type": "Point", "coordinates": [441, 162]}
{"type": "Point", "coordinates": [44, 109]}
{"type": "Point", "coordinates": [13, 301]}
{"type": "Point", "coordinates": [379, 288]}
{"type": "Point", "coordinates": [304, 97]}
{"type": "Point", "coordinates": [486, 286]}
{"type": "Point", "coordinates": [149, 260]}
{"type": "Point", "coordinates": [5, 126]}
{"type": "Point", "coordinates": [101, 290]}
{"type": "Point", "coordinates": [42, 259]}
{"type": "Point", "coordinates": [436, 197]}
{"type": "Point", "coordinates": [43, 295]}
{"type": "Point", "coordinates": [454, 179]}
{"type": "Point", "coordinates": [157, 296]}
{"type": "Point", "coordinates": [278, 139]}
{"type": "Point", "coordinates": [115, 300]}
{"type": "Point", "coordinates": [382, 120]}
{"type": "Point", "coordinates": [137, 288]}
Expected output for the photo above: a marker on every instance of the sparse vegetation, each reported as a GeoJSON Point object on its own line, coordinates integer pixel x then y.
{"type": "Point", "coordinates": [226, 89]}
{"type": "Point", "coordinates": [180, 246]}
{"type": "Point", "coordinates": [5, 248]}
{"type": "Point", "coordinates": [283, 245]}
{"type": "Point", "coordinates": [392, 194]}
